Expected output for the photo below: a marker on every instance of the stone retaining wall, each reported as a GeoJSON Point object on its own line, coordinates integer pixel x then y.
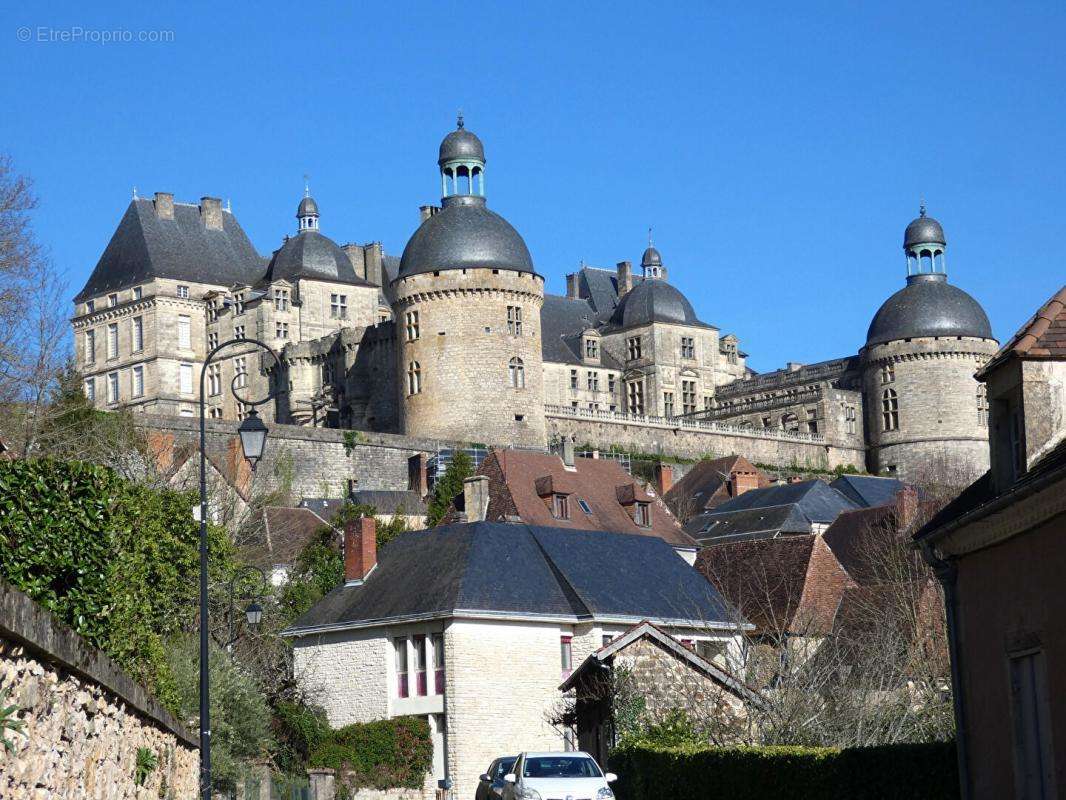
{"type": "Point", "coordinates": [84, 719]}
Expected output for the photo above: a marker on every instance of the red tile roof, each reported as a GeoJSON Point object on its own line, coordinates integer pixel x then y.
{"type": "Point", "coordinates": [1043, 336]}
{"type": "Point", "coordinates": [706, 485]}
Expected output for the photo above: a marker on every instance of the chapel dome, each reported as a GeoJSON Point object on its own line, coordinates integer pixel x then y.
{"type": "Point", "coordinates": [308, 207]}
{"type": "Point", "coordinates": [654, 300]}
{"type": "Point", "coordinates": [928, 306]}
{"type": "Point", "coordinates": [923, 230]}
{"type": "Point", "coordinates": [461, 145]}
{"type": "Point", "coordinates": [309, 254]}
{"type": "Point", "coordinates": [651, 258]}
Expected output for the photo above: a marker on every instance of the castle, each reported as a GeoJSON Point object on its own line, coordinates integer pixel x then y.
{"type": "Point", "coordinates": [457, 341]}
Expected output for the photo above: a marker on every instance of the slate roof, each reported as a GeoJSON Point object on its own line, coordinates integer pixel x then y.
{"type": "Point", "coordinates": [144, 247]}
{"type": "Point", "coordinates": [868, 491]}
{"type": "Point", "coordinates": [391, 501]}
{"type": "Point", "coordinates": [311, 254]}
{"type": "Point", "coordinates": [764, 522]}
{"type": "Point", "coordinates": [600, 286]}
{"type": "Point", "coordinates": [1042, 337]}
{"type": "Point", "coordinates": [816, 500]}
{"type": "Point", "coordinates": [561, 320]}
{"type": "Point", "coordinates": [928, 306]}
{"type": "Point", "coordinates": [706, 485]}
{"type": "Point", "coordinates": [654, 300]}
{"type": "Point", "coordinates": [493, 569]}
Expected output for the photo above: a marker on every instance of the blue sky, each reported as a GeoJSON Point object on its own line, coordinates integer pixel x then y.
{"type": "Point", "coordinates": [778, 150]}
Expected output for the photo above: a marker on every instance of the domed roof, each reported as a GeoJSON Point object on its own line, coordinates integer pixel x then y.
{"type": "Point", "coordinates": [654, 301]}
{"type": "Point", "coordinates": [461, 145]}
{"type": "Point", "coordinates": [928, 306]}
{"type": "Point", "coordinates": [309, 254]}
{"type": "Point", "coordinates": [923, 230]}
{"type": "Point", "coordinates": [308, 207]}
{"type": "Point", "coordinates": [651, 258]}
{"type": "Point", "coordinates": [464, 234]}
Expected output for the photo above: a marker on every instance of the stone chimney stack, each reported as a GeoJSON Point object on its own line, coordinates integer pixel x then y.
{"type": "Point", "coordinates": [418, 474]}
{"type": "Point", "coordinates": [357, 255]}
{"type": "Point", "coordinates": [664, 478]}
{"type": "Point", "coordinates": [425, 212]}
{"type": "Point", "coordinates": [164, 205]}
{"type": "Point", "coordinates": [360, 550]}
{"type": "Point", "coordinates": [906, 507]}
{"type": "Point", "coordinates": [476, 497]}
{"type": "Point", "coordinates": [211, 213]}
{"type": "Point", "coordinates": [375, 272]}
{"type": "Point", "coordinates": [571, 286]}
{"type": "Point", "coordinates": [568, 452]}
{"type": "Point", "coordinates": [625, 278]}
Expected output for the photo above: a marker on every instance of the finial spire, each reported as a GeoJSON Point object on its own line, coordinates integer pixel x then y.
{"type": "Point", "coordinates": [921, 207]}
{"type": "Point", "coordinates": [307, 185]}
{"type": "Point", "coordinates": [459, 120]}
{"type": "Point", "coordinates": [649, 237]}
{"type": "Point", "coordinates": [134, 192]}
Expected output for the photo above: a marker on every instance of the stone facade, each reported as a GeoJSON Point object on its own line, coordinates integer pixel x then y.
{"type": "Point", "coordinates": [85, 721]}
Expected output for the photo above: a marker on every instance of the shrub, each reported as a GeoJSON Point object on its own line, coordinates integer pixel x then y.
{"type": "Point", "coordinates": [298, 731]}
{"type": "Point", "coordinates": [384, 754]}
{"type": "Point", "coordinates": [891, 772]}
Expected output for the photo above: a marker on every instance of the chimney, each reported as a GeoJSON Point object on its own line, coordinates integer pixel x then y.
{"type": "Point", "coordinates": [568, 452]}
{"type": "Point", "coordinates": [211, 213]}
{"type": "Point", "coordinates": [740, 482]}
{"type": "Point", "coordinates": [571, 285]}
{"type": "Point", "coordinates": [164, 205]}
{"type": "Point", "coordinates": [360, 550]}
{"type": "Point", "coordinates": [374, 272]}
{"type": "Point", "coordinates": [357, 255]}
{"type": "Point", "coordinates": [664, 478]}
{"type": "Point", "coordinates": [476, 497]}
{"type": "Point", "coordinates": [793, 366]}
{"type": "Point", "coordinates": [795, 479]}
{"type": "Point", "coordinates": [425, 212]}
{"type": "Point", "coordinates": [625, 277]}
{"type": "Point", "coordinates": [417, 474]}
{"type": "Point", "coordinates": [906, 507]}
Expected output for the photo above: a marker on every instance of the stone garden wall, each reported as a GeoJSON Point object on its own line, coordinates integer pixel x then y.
{"type": "Point", "coordinates": [84, 721]}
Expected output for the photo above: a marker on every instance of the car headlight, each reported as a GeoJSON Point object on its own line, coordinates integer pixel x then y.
{"type": "Point", "coordinates": [605, 793]}
{"type": "Point", "coordinates": [528, 794]}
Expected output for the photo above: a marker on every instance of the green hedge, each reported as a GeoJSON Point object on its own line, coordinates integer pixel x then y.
{"type": "Point", "coordinates": [891, 772]}
{"type": "Point", "coordinates": [384, 754]}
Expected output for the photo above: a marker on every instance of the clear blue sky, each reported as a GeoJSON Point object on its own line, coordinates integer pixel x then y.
{"type": "Point", "coordinates": [779, 151]}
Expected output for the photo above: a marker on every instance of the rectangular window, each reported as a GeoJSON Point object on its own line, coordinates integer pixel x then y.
{"type": "Point", "coordinates": [1034, 762]}
{"type": "Point", "coordinates": [112, 340]}
{"type": "Point", "coordinates": [642, 515]}
{"type": "Point", "coordinates": [90, 389]}
{"type": "Point", "coordinates": [240, 371]}
{"type": "Point", "coordinates": [238, 331]}
{"type": "Point", "coordinates": [214, 379]}
{"type": "Point", "coordinates": [212, 341]}
{"type": "Point", "coordinates": [514, 320]}
{"type": "Point", "coordinates": [412, 325]}
{"type": "Point", "coordinates": [421, 686]}
{"type": "Point", "coordinates": [281, 299]}
{"type": "Point", "coordinates": [112, 387]}
{"type": "Point", "coordinates": [635, 397]}
{"type": "Point", "coordinates": [688, 397]}
{"type": "Point", "coordinates": [281, 330]}
{"type": "Point", "coordinates": [592, 348]}
{"type": "Point", "coordinates": [138, 334]}
{"type": "Point", "coordinates": [238, 303]}
{"type": "Point", "coordinates": [138, 293]}
{"type": "Point", "coordinates": [812, 420]}
{"type": "Point", "coordinates": [849, 418]}
{"type": "Point", "coordinates": [688, 347]}
{"type": "Point", "coordinates": [560, 506]}
{"type": "Point", "coordinates": [137, 382]}
{"type": "Point", "coordinates": [610, 383]}
{"type": "Point", "coordinates": [112, 300]}
{"type": "Point", "coordinates": [437, 640]}
{"type": "Point", "coordinates": [708, 402]}
{"type": "Point", "coordinates": [402, 688]}
{"type": "Point", "coordinates": [668, 404]}
{"type": "Point", "coordinates": [566, 655]}
{"type": "Point", "coordinates": [888, 373]}
{"type": "Point", "coordinates": [90, 346]}
{"type": "Point", "coordinates": [573, 379]}
{"type": "Point", "coordinates": [633, 345]}
{"type": "Point", "coordinates": [338, 306]}
{"type": "Point", "coordinates": [184, 332]}
{"type": "Point", "coordinates": [183, 292]}
{"type": "Point", "coordinates": [185, 378]}
{"type": "Point", "coordinates": [592, 380]}
{"type": "Point", "coordinates": [90, 307]}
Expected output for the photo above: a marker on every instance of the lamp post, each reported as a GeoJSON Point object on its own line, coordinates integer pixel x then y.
{"type": "Point", "coordinates": [253, 614]}
{"type": "Point", "coordinates": [253, 435]}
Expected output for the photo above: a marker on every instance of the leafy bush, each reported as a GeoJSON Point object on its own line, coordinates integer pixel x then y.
{"type": "Point", "coordinates": [383, 754]}
{"type": "Point", "coordinates": [891, 772]}
{"type": "Point", "coordinates": [298, 731]}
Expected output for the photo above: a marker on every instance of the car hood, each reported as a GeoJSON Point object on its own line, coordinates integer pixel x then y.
{"type": "Point", "coordinates": [562, 788]}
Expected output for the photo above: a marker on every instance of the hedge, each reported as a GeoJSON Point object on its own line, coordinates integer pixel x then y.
{"type": "Point", "coordinates": [891, 772]}
{"type": "Point", "coordinates": [385, 754]}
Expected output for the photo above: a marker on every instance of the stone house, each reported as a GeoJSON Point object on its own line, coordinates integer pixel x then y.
{"type": "Point", "coordinates": [567, 492]}
{"type": "Point", "coordinates": [475, 625]}
{"type": "Point", "coordinates": [647, 666]}
{"type": "Point", "coordinates": [997, 549]}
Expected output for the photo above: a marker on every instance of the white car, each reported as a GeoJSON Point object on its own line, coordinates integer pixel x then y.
{"type": "Point", "coordinates": [557, 776]}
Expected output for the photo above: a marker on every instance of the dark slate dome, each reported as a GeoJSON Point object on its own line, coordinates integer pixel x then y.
{"type": "Point", "coordinates": [464, 234]}
{"type": "Point", "coordinates": [651, 258]}
{"type": "Point", "coordinates": [461, 145]}
{"type": "Point", "coordinates": [928, 306]}
{"type": "Point", "coordinates": [654, 301]}
{"type": "Point", "coordinates": [308, 207]}
{"type": "Point", "coordinates": [309, 254]}
{"type": "Point", "coordinates": [923, 230]}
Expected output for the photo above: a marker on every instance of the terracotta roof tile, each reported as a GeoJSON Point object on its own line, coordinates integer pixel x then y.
{"type": "Point", "coordinates": [706, 485]}
{"type": "Point", "coordinates": [1043, 336]}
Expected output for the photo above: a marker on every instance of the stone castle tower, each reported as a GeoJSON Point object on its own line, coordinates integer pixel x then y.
{"type": "Point", "coordinates": [467, 304]}
{"type": "Point", "coordinates": [923, 405]}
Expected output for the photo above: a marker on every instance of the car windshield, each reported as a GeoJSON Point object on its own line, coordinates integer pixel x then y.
{"type": "Point", "coordinates": [505, 766]}
{"type": "Point", "coordinates": [560, 767]}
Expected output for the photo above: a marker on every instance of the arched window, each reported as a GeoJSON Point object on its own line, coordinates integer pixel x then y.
{"type": "Point", "coordinates": [890, 410]}
{"type": "Point", "coordinates": [414, 378]}
{"type": "Point", "coordinates": [517, 371]}
{"type": "Point", "coordinates": [982, 404]}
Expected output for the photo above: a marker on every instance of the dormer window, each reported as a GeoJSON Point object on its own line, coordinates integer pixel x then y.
{"type": "Point", "coordinates": [183, 292]}
{"type": "Point", "coordinates": [90, 306]}
{"type": "Point", "coordinates": [560, 506]}
{"type": "Point", "coordinates": [633, 348]}
{"type": "Point", "coordinates": [112, 300]}
{"type": "Point", "coordinates": [592, 348]}
{"type": "Point", "coordinates": [281, 299]}
{"type": "Point", "coordinates": [642, 514]}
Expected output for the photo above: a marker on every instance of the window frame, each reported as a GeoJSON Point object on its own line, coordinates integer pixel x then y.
{"type": "Point", "coordinates": [137, 381]}
{"type": "Point", "coordinates": [560, 506]}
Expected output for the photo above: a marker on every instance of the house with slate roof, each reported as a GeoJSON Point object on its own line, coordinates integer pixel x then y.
{"type": "Point", "coordinates": [475, 626]}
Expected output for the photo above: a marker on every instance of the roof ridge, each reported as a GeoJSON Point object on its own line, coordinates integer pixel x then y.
{"type": "Point", "coordinates": [568, 588]}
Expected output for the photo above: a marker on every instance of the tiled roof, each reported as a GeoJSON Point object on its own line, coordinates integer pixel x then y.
{"type": "Point", "coordinates": [1043, 336]}
{"type": "Point", "coordinates": [854, 537]}
{"type": "Point", "coordinates": [493, 569]}
{"type": "Point", "coordinates": [287, 531]}
{"type": "Point", "coordinates": [747, 523]}
{"type": "Point", "coordinates": [706, 485]}
{"type": "Point", "coordinates": [517, 479]}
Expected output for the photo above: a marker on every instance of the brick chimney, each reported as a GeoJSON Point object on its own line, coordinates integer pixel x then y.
{"type": "Point", "coordinates": [360, 550]}
{"type": "Point", "coordinates": [906, 506]}
{"type": "Point", "coordinates": [211, 213]}
{"type": "Point", "coordinates": [740, 482]}
{"type": "Point", "coordinates": [625, 277]}
{"type": "Point", "coordinates": [164, 205]}
{"type": "Point", "coordinates": [418, 474]}
{"type": "Point", "coordinates": [476, 497]}
{"type": "Point", "coordinates": [664, 478]}
{"type": "Point", "coordinates": [571, 285]}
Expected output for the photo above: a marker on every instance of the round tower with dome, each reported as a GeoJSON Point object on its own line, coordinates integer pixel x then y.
{"type": "Point", "coordinates": [467, 310]}
{"type": "Point", "coordinates": [926, 415]}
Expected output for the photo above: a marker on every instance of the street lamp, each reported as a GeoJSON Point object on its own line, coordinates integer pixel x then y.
{"type": "Point", "coordinates": [253, 614]}
{"type": "Point", "coordinates": [253, 435]}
